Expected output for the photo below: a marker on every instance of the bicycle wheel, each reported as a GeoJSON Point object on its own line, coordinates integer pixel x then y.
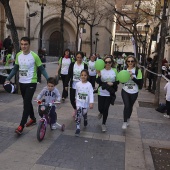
{"type": "Point", "coordinates": [41, 131]}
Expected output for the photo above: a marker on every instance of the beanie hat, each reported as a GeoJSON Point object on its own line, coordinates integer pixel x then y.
{"type": "Point", "coordinates": [10, 88]}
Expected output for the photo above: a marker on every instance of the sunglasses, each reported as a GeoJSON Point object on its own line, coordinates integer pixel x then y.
{"type": "Point", "coordinates": [130, 61]}
{"type": "Point", "coordinates": [108, 62]}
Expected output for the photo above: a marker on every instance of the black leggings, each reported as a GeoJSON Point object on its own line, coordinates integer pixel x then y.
{"type": "Point", "coordinates": [128, 100]}
{"type": "Point", "coordinates": [103, 106]}
{"type": "Point", "coordinates": [27, 92]}
{"type": "Point", "coordinates": [168, 107]}
{"type": "Point", "coordinates": [65, 92]}
{"type": "Point", "coordinates": [92, 80]}
{"type": "Point", "coordinates": [72, 97]}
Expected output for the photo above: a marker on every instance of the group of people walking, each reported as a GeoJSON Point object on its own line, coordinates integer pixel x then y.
{"type": "Point", "coordinates": [80, 78]}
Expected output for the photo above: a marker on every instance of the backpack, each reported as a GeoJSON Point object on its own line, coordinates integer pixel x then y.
{"type": "Point", "coordinates": [140, 85]}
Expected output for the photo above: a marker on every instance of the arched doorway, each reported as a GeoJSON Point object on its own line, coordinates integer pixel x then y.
{"type": "Point", "coordinates": [54, 43]}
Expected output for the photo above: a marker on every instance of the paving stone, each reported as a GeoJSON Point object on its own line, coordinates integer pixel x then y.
{"type": "Point", "coordinates": [82, 153]}
{"type": "Point", "coordinates": [149, 113]}
{"type": "Point", "coordinates": [158, 131]}
{"type": "Point", "coordinates": [7, 137]}
{"type": "Point", "coordinates": [94, 125]}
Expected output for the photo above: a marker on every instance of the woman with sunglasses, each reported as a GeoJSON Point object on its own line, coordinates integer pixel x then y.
{"type": "Point", "coordinates": [131, 88]}
{"type": "Point", "coordinates": [107, 80]}
{"type": "Point", "coordinates": [73, 77]}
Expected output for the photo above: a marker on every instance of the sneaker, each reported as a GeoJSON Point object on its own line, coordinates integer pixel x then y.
{"type": "Point", "coordinates": [38, 82]}
{"type": "Point", "coordinates": [85, 123]}
{"type": "Point", "coordinates": [99, 116]}
{"type": "Point", "coordinates": [167, 116]}
{"type": "Point", "coordinates": [31, 122]}
{"type": "Point", "coordinates": [128, 122]}
{"type": "Point", "coordinates": [54, 126]}
{"type": "Point", "coordinates": [104, 128]}
{"type": "Point", "coordinates": [124, 126]}
{"type": "Point", "coordinates": [63, 99]}
{"type": "Point", "coordinates": [19, 130]}
{"type": "Point", "coordinates": [77, 133]}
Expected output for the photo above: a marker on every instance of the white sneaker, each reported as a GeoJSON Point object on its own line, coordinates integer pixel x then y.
{"type": "Point", "coordinates": [54, 126]}
{"type": "Point", "coordinates": [104, 128]}
{"type": "Point", "coordinates": [124, 126]}
{"type": "Point", "coordinates": [128, 122]}
{"type": "Point", "coordinates": [167, 116]}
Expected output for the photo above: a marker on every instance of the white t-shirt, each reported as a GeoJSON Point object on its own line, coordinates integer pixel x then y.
{"type": "Point", "coordinates": [76, 73]}
{"type": "Point", "coordinates": [28, 67]}
{"type": "Point", "coordinates": [65, 65]}
{"type": "Point", "coordinates": [91, 68]}
{"type": "Point", "coordinates": [120, 61]}
{"type": "Point", "coordinates": [167, 89]}
{"type": "Point", "coordinates": [131, 87]}
{"type": "Point", "coordinates": [84, 94]}
{"type": "Point", "coordinates": [106, 76]}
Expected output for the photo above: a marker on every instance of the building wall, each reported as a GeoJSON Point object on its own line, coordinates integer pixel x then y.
{"type": "Point", "coordinates": [2, 22]}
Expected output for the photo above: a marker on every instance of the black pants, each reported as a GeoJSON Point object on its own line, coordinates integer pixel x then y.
{"type": "Point", "coordinates": [53, 115]}
{"type": "Point", "coordinates": [92, 80]}
{"type": "Point", "coordinates": [168, 107]}
{"type": "Point", "coordinates": [65, 92]}
{"type": "Point", "coordinates": [72, 97]}
{"type": "Point", "coordinates": [128, 100]}
{"type": "Point", "coordinates": [103, 106]}
{"type": "Point", "coordinates": [27, 92]}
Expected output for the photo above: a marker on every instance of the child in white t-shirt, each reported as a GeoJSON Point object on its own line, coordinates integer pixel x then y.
{"type": "Point", "coordinates": [84, 99]}
{"type": "Point", "coordinates": [167, 89]}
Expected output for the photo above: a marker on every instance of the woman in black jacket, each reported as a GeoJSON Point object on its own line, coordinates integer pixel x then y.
{"type": "Point", "coordinates": [74, 76]}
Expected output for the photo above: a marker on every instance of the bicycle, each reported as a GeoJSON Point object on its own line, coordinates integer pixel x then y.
{"type": "Point", "coordinates": [44, 110]}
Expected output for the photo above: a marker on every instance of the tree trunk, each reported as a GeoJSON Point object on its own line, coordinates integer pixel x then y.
{"type": "Point", "coordinates": [77, 34]}
{"type": "Point", "coordinates": [14, 35]}
{"type": "Point", "coordinates": [62, 26]}
{"type": "Point", "coordinates": [161, 54]}
{"type": "Point", "coordinates": [91, 43]}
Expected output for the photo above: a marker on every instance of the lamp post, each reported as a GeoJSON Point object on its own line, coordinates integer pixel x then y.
{"type": "Point", "coordinates": [81, 26]}
{"type": "Point", "coordinates": [111, 40]}
{"type": "Point", "coordinates": [42, 3]}
{"type": "Point", "coordinates": [97, 35]}
{"type": "Point", "coordinates": [146, 27]}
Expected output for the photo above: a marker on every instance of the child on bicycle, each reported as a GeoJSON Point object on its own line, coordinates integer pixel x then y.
{"type": "Point", "coordinates": [84, 99]}
{"type": "Point", "coordinates": [51, 94]}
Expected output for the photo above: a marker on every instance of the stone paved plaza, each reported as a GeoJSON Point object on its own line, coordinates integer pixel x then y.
{"type": "Point", "coordinates": [93, 150]}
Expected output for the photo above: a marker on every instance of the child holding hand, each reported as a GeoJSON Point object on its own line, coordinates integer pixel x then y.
{"type": "Point", "coordinates": [84, 99]}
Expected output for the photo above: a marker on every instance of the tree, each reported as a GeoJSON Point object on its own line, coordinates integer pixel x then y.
{"type": "Point", "coordinates": [14, 33]}
{"type": "Point", "coordinates": [63, 8]}
{"type": "Point", "coordinates": [12, 26]}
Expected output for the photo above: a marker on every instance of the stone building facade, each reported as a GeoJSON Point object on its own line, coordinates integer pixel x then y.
{"type": "Point", "coordinates": [51, 27]}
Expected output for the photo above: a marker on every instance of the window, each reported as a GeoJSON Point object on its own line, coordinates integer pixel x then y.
{"type": "Point", "coordinates": [125, 38]}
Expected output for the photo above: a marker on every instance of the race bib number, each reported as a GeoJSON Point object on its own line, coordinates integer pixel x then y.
{"type": "Point", "coordinates": [23, 73]}
{"type": "Point", "coordinates": [76, 77]}
{"type": "Point", "coordinates": [82, 97]}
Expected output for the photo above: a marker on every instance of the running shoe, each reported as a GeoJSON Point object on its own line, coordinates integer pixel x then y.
{"type": "Point", "coordinates": [19, 130]}
{"type": "Point", "coordinates": [124, 126]}
{"type": "Point", "coordinates": [167, 116]}
{"type": "Point", "coordinates": [54, 126]}
{"type": "Point", "coordinates": [77, 133]}
{"type": "Point", "coordinates": [31, 122]}
{"type": "Point", "coordinates": [104, 128]}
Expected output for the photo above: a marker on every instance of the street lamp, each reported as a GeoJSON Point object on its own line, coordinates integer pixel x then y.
{"type": "Point", "coordinates": [111, 40]}
{"type": "Point", "coordinates": [42, 3]}
{"type": "Point", "coordinates": [81, 26]}
{"type": "Point", "coordinates": [146, 27]}
{"type": "Point", "coordinates": [97, 35]}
